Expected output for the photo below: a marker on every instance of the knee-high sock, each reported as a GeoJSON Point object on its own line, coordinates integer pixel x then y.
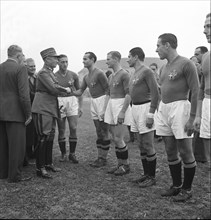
{"type": "Point", "coordinates": [151, 159]}
{"type": "Point", "coordinates": [105, 148]}
{"type": "Point", "coordinates": [72, 145]}
{"type": "Point", "coordinates": [189, 173]}
{"type": "Point", "coordinates": [62, 146]}
{"type": "Point", "coordinates": [99, 147]}
{"type": "Point", "coordinates": [122, 155]}
{"type": "Point", "coordinates": [144, 163]}
{"type": "Point", "coordinates": [176, 172]}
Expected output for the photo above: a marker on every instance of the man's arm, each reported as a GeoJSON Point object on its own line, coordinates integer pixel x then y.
{"type": "Point", "coordinates": [50, 83]}
{"type": "Point", "coordinates": [81, 90]}
{"type": "Point", "coordinates": [153, 86]}
{"type": "Point", "coordinates": [23, 92]}
{"type": "Point", "coordinates": [197, 121]}
{"type": "Point", "coordinates": [193, 83]}
{"type": "Point", "coordinates": [121, 115]}
{"type": "Point", "coordinates": [127, 100]}
{"type": "Point", "coordinates": [80, 102]}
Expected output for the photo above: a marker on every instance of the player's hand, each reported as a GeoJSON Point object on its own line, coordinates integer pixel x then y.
{"type": "Point", "coordinates": [28, 120]}
{"type": "Point", "coordinates": [68, 90]}
{"type": "Point", "coordinates": [197, 123]}
{"type": "Point", "coordinates": [189, 128]}
{"type": "Point", "coordinates": [102, 116]}
{"type": "Point", "coordinates": [121, 117]}
{"type": "Point", "coordinates": [80, 112]}
{"type": "Point", "coordinates": [149, 122]}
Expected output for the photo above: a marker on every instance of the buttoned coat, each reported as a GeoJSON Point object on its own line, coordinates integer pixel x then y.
{"type": "Point", "coordinates": [15, 108]}
{"type": "Point", "coordinates": [47, 90]}
{"type": "Point", "coordinates": [15, 102]}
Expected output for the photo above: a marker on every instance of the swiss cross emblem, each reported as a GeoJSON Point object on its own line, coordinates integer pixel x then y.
{"type": "Point", "coordinates": [93, 84]}
{"type": "Point", "coordinates": [135, 81]}
{"type": "Point", "coordinates": [71, 82]}
{"type": "Point", "coordinates": [115, 83]}
{"type": "Point", "coordinates": [172, 75]}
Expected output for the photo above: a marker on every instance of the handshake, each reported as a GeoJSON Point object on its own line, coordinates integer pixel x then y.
{"type": "Point", "coordinates": [68, 90]}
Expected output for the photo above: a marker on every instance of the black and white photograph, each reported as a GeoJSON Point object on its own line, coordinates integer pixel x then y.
{"type": "Point", "coordinates": [105, 109]}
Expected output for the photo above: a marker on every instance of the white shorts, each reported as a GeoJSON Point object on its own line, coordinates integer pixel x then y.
{"type": "Point", "coordinates": [171, 119]}
{"type": "Point", "coordinates": [113, 109]}
{"type": "Point", "coordinates": [68, 106]}
{"type": "Point", "coordinates": [97, 105]}
{"type": "Point", "coordinates": [205, 119]}
{"type": "Point", "coordinates": [138, 119]}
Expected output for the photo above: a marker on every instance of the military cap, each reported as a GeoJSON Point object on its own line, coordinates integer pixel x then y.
{"type": "Point", "coordinates": [48, 52]}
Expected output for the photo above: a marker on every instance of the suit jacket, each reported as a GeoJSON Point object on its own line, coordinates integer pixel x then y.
{"type": "Point", "coordinates": [15, 102]}
{"type": "Point", "coordinates": [47, 89]}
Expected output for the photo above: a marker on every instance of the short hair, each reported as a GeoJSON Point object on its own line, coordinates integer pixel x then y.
{"type": "Point", "coordinates": [202, 49]}
{"type": "Point", "coordinates": [170, 38]}
{"type": "Point", "coordinates": [13, 50]}
{"type": "Point", "coordinates": [208, 15]}
{"type": "Point", "coordinates": [115, 54]}
{"type": "Point", "coordinates": [29, 60]}
{"type": "Point", "coordinates": [154, 64]}
{"type": "Point", "coordinates": [62, 56]}
{"type": "Point", "coordinates": [92, 56]}
{"type": "Point", "coordinates": [139, 52]}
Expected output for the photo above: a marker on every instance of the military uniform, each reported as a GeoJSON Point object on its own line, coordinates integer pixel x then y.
{"type": "Point", "coordinates": [45, 111]}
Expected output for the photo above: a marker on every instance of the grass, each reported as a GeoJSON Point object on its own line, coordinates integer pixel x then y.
{"type": "Point", "coordinates": [82, 192]}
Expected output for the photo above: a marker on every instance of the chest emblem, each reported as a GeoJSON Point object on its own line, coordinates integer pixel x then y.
{"type": "Point", "coordinates": [92, 84]}
{"type": "Point", "coordinates": [115, 83]}
{"type": "Point", "coordinates": [135, 81]}
{"type": "Point", "coordinates": [172, 74]}
{"type": "Point", "coordinates": [71, 82]}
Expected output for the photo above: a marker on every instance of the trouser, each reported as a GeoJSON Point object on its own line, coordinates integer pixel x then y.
{"type": "Point", "coordinates": [45, 128]}
{"type": "Point", "coordinates": [12, 149]}
{"type": "Point", "coordinates": [31, 140]}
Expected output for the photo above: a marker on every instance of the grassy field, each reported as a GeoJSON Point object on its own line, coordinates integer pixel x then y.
{"type": "Point", "coordinates": [82, 192]}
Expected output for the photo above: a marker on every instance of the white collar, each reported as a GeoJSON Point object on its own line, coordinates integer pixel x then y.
{"type": "Point", "coordinates": [13, 59]}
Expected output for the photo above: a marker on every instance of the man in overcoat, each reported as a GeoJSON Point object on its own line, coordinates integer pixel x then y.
{"type": "Point", "coordinates": [15, 114]}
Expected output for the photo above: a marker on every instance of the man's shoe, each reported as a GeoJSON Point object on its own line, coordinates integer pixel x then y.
{"type": "Point", "coordinates": [172, 191]}
{"type": "Point", "coordinates": [72, 158]}
{"type": "Point", "coordinates": [149, 181]}
{"type": "Point", "coordinates": [43, 173]}
{"type": "Point", "coordinates": [63, 158]}
{"type": "Point", "coordinates": [52, 168]}
{"type": "Point", "coordinates": [112, 170]}
{"type": "Point", "coordinates": [100, 162]}
{"type": "Point", "coordinates": [183, 196]}
{"type": "Point", "coordinates": [21, 179]}
{"type": "Point", "coordinates": [140, 179]}
{"type": "Point", "coordinates": [122, 170]}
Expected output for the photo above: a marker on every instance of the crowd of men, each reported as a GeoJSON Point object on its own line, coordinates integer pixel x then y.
{"type": "Point", "coordinates": [173, 105]}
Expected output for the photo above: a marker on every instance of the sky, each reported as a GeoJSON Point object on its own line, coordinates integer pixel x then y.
{"type": "Point", "coordinates": [76, 27]}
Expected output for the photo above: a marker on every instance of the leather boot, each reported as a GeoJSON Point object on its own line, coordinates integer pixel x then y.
{"type": "Point", "coordinates": [72, 156]}
{"type": "Point", "coordinates": [41, 153]}
{"type": "Point", "coordinates": [49, 153]}
{"type": "Point", "coordinates": [43, 173]}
